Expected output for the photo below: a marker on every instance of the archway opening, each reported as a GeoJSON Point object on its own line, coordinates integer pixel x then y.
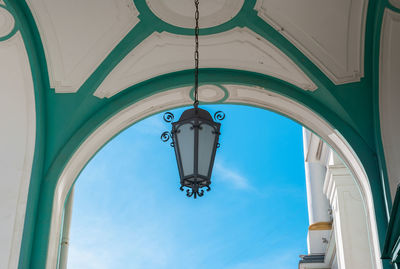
{"type": "Point", "coordinates": [251, 218]}
{"type": "Point", "coordinates": [237, 94]}
{"type": "Point", "coordinates": [128, 210]}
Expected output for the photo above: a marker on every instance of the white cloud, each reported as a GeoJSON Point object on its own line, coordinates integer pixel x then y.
{"type": "Point", "coordinates": [227, 174]}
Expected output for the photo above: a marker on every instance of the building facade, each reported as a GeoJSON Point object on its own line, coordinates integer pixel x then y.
{"type": "Point", "coordinates": [339, 235]}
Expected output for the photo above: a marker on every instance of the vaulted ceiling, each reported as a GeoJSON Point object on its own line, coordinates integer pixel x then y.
{"type": "Point", "coordinates": [143, 39]}
{"type": "Point", "coordinates": [70, 65]}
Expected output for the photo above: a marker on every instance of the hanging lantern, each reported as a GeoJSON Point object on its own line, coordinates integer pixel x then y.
{"type": "Point", "coordinates": [195, 136]}
{"type": "Point", "coordinates": [195, 140]}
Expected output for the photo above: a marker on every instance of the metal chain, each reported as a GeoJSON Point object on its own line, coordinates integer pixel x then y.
{"type": "Point", "coordinates": [196, 56]}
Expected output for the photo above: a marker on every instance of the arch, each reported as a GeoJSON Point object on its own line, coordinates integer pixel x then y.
{"type": "Point", "coordinates": [171, 98]}
{"type": "Point", "coordinates": [338, 126]}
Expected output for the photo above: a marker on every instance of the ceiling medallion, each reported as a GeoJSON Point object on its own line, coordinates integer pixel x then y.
{"type": "Point", "coordinates": [210, 93]}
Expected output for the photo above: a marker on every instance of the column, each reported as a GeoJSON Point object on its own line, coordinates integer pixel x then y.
{"type": "Point", "coordinates": [349, 219]}
{"type": "Point", "coordinates": [316, 155]}
{"type": "Point", "coordinates": [65, 230]}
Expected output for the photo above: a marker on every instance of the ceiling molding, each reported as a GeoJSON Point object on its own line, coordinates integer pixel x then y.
{"type": "Point", "coordinates": [389, 94]}
{"type": "Point", "coordinates": [330, 33]}
{"type": "Point", "coordinates": [239, 48]}
{"type": "Point", "coordinates": [78, 35]}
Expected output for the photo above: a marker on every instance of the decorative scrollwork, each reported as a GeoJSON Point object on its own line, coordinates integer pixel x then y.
{"type": "Point", "coordinates": [166, 136]}
{"type": "Point", "coordinates": [195, 190]}
{"type": "Point", "coordinates": [194, 193]}
{"type": "Point", "coordinates": [168, 117]}
{"type": "Point", "coordinates": [219, 115]}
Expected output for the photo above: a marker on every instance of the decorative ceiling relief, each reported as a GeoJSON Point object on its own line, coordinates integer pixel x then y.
{"type": "Point", "coordinates": [389, 95]}
{"type": "Point", "coordinates": [78, 35]}
{"type": "Point", "coordinates": [180, 12]}
{"type": "Point", "coordinates": [239, 48]}
{"type": "Point", "coordinates": [7, 24]}
{"type": "Point", "coordinates": [330, 33]}
{"type": "Point", "coordinates": [211, 93]}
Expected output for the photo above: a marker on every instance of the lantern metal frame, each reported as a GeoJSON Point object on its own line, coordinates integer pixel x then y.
{"type": "Point", "coordinates": [196, 117]}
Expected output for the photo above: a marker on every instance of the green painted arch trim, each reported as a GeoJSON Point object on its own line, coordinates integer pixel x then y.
{"type": "Point", "coordinates": [180, 79]}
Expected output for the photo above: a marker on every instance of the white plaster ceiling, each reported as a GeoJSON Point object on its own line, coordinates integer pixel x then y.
{"type": "Point", "coordinates": [180, 12]}
{"type": "Point", "coordinates": [77, 35]}
{"type": "Point", "coordinates": [17, 142]}
{"type": "Point", "coordinates": [330, 33]}
{"type": "Point", "coordinates": [389, 95]}
{"type": "Point", "coordinates": [238, 48]}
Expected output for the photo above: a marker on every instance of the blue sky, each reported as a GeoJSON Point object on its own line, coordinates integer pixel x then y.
{"type": "Point", "coordinates": [129, 212]}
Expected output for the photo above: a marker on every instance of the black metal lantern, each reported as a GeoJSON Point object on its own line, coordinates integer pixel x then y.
{"type": "Point", "coordinates": [195, 140]}
{"type": "Point", "coordinates": [195, 137]}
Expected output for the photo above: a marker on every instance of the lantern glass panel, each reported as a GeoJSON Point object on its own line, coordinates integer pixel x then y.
{"type": "Point", "coordinates": [207, 138]}
{"type": "Point", "coordinates": [185, 139]}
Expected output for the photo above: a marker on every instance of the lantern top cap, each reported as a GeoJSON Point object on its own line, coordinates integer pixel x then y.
{"type": "Point", "coordinates": [196, 113]}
